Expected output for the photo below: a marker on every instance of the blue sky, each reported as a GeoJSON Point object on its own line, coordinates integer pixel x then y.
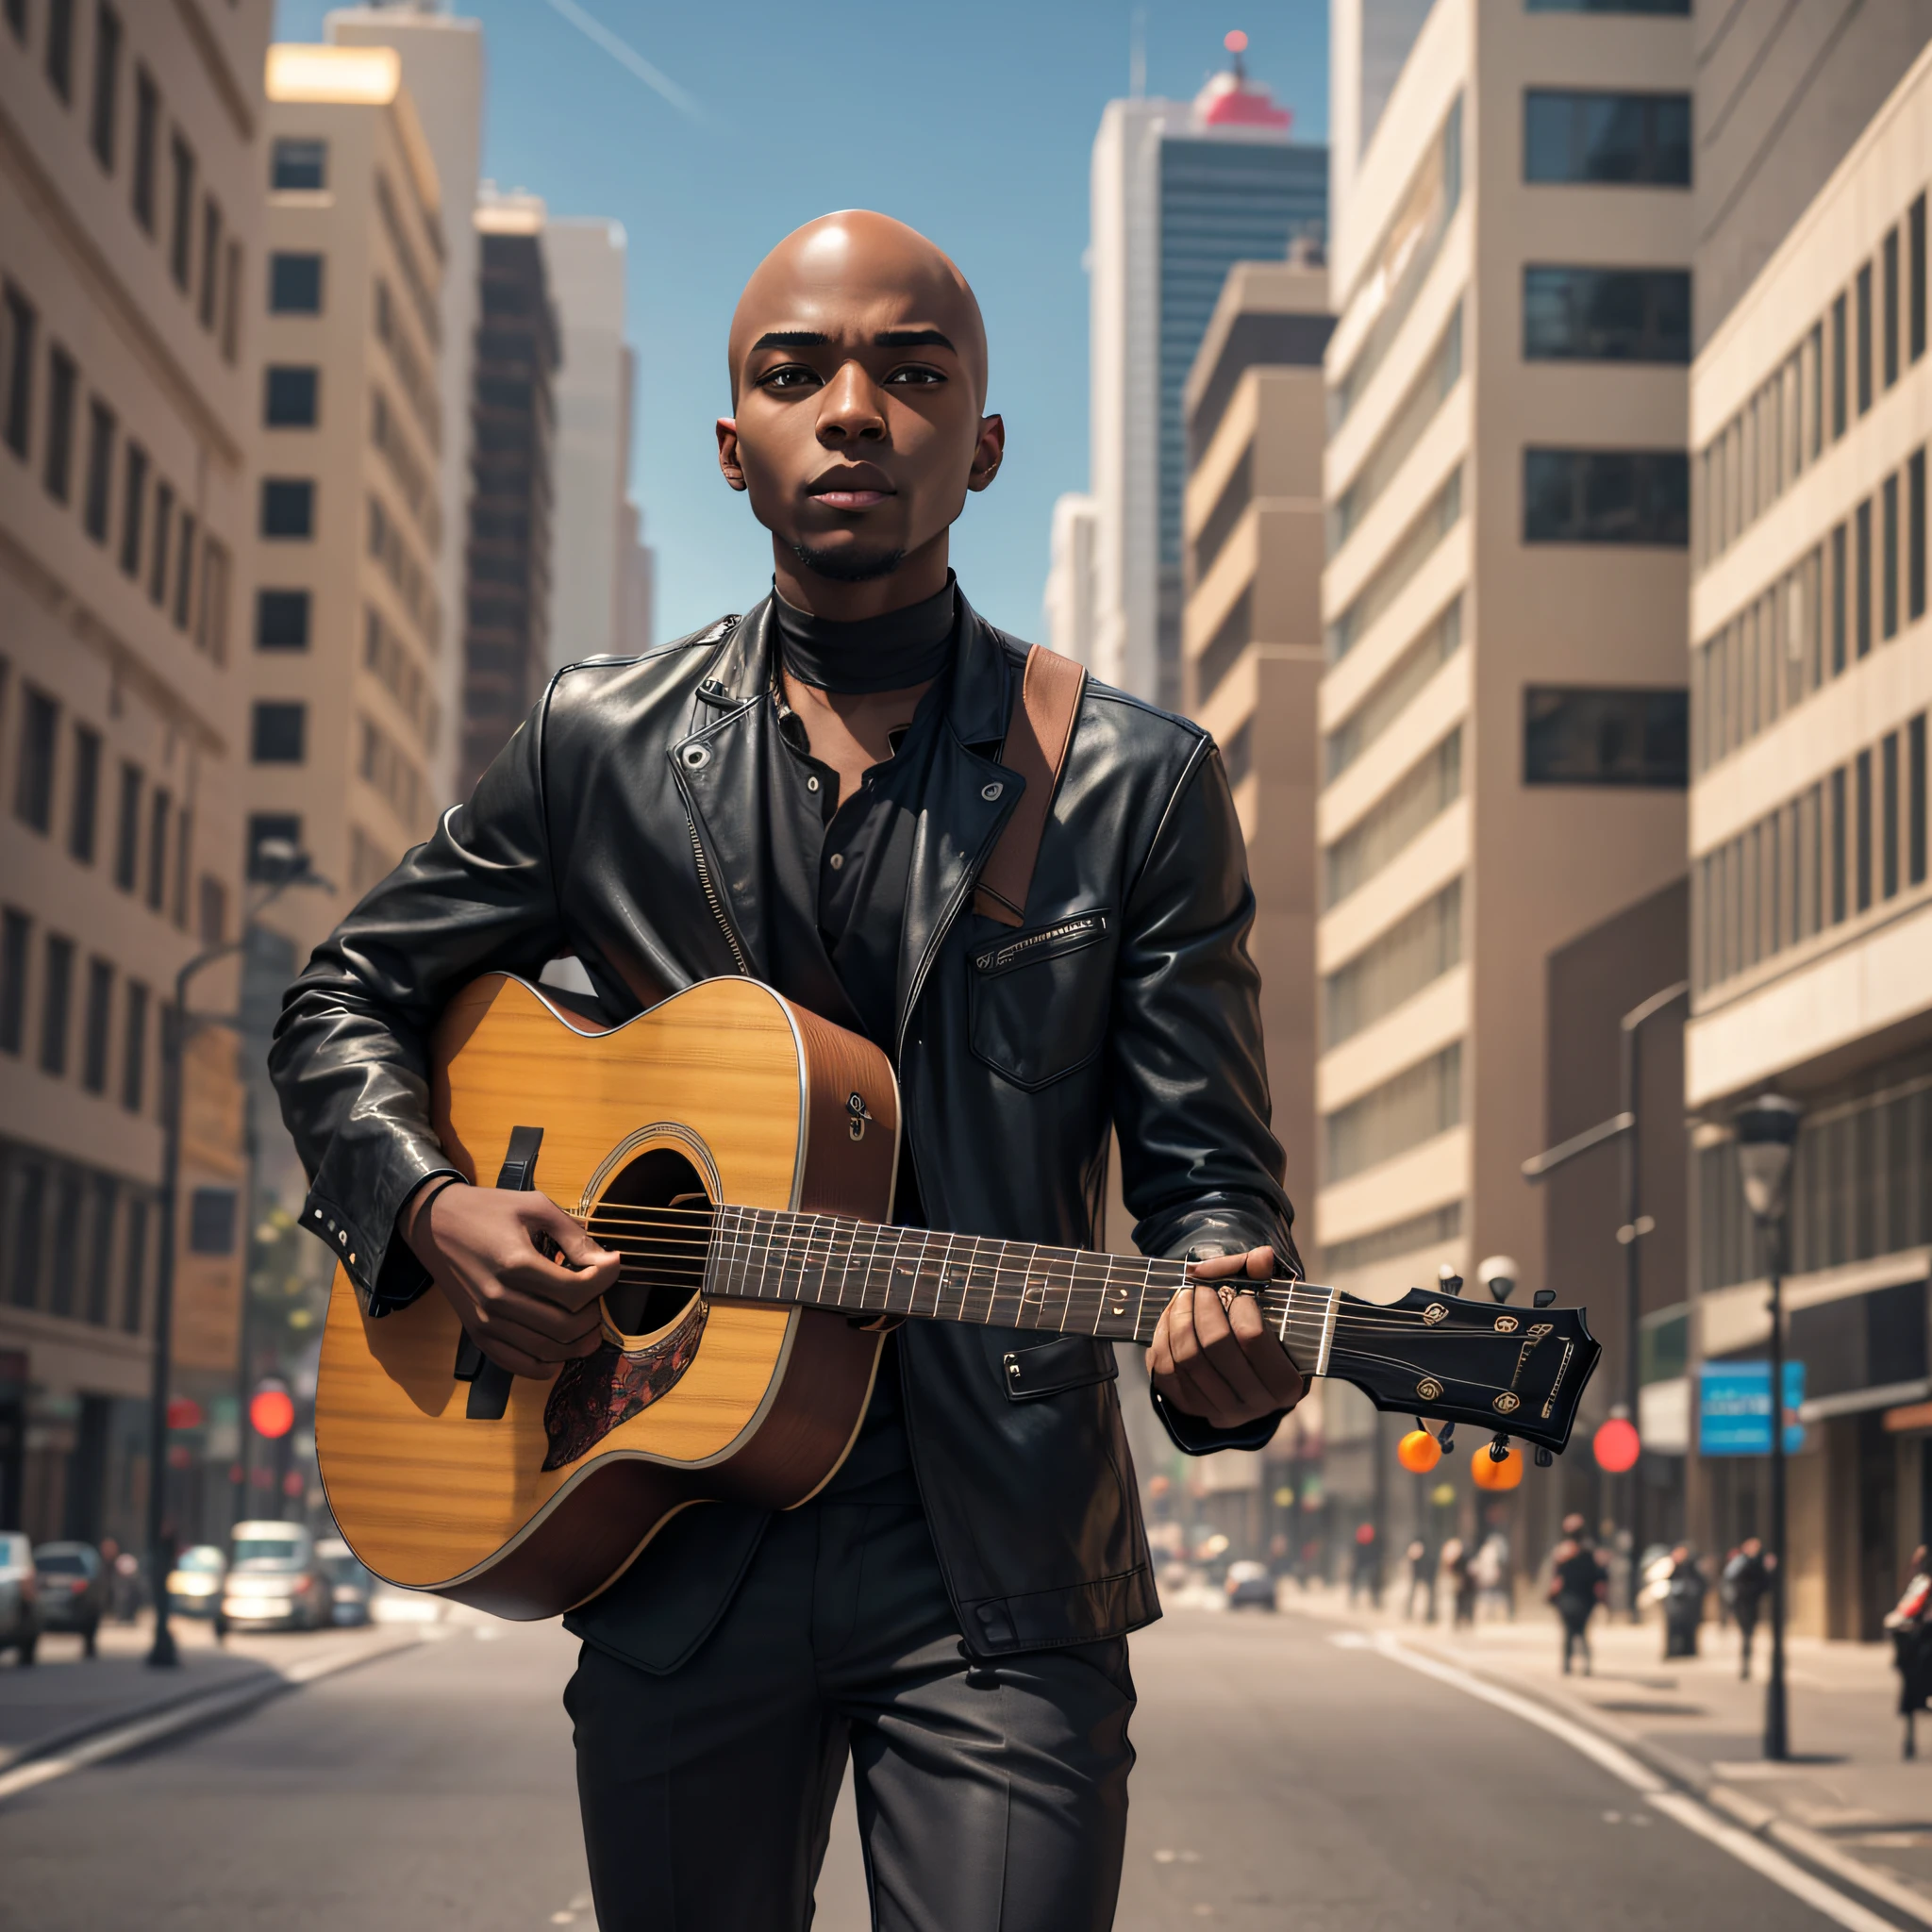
{"type": "Point", "coordinates": [974, 124]}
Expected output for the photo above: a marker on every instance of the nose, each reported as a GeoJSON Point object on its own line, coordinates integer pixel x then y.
{"type": "Point", "coordinates": [851, 408]}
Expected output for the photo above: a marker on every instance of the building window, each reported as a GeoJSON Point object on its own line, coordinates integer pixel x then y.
{"type": "Point", "coordinates": [231, 302]}
{"type": "Point", "coordinates": [63, 383]}
{"type": "Point", "coordinates": [184, 570]}
{"type": "Point", "coordinates": [147, 134]}
{"type": "Point", "coordinates": [1578, 736]}
{"type": "Point", "coordinates": [1861, 578]}
{"type": "Point", "coordinates": [294, 284]}
{"type": "Point", "coordinates": [1414, 1106]}
{"type": "Point", "coordinates": [127, 828]}
{"type": "Point", "coordinates": [299, 165]}
{"type": "Point", "coordinates": [1835, 847]}
{"type": "Point", "coordinates": [281, 620]}
{"type": "Point", "coordinates": [211, 1220]}
{"type": "Point", "coordinates": [16, 940]}
{"type": "Point", "coordinates": [1888, 556]}
{"type": "Point", "coordinates": [289, 395]}
{"type": "Point", "coordinates": [1606, 496]}
{"type": "Point", "coordinates": [101, 131]}
{"type": "Point", "coordinates": [84, 818]}
{"type": "Point", "coordinates": [1915, 801]}
{"type": "Point", "coordinates": [22, 328]}
{"type": "Point", "coordinates": [1839, 362]}
{"type": "Point", "coordinates": [1861, 288]}
{"type": "Point", "coordinates": [133, 510]}
{"type": "Point", "coordinates": [56, 1005]}
{"type": "Point", "coordinates": [61, 47]}
{"type": "Point", "coordinates": [1915, 535]}
{"type": "Point", "coordinates": [1838, 570]}
{"type": "Point", "coordinates": [33, 783]}
{"type": "Point", "coordinates": [272, 837]}
{"type": "Point", "coordinates": [1409, 807]}
{"type": "Point", "coordinates": [1606, 315]}
{"type": "Point", "coordinates": [1439, 1227]}
{"type": "Point", "coordinates": [1230, 506]}
{"type": "Point", "coordinates": [287, 506]}
{"type": "Point", "coordinates": [1915, 279]}
{"type": "Point", "coordinates": [134, 1048]}
{"type": "Point", "coordinates": [159, 808]}
{"type": "Point", "coordinates": [1222, 651]}
{"type": "Point", "coordinates": [133, 1311]}
{"type": "Point", "coordinates": [207, 307]}
{"type": "Point", "coordinates": [1415, 951]}
{"type": "Point", "coordinates": [181, 228]}
{"type": "Point", "coordinates": [211, 913]}
{"type": "Point", "coordinates": [100, 469]}
{"type": "Point", "coordinates": [1632, 140]}
{"type": "Point", "coordinates": [1887, 816]}
{"type": "Point", "coordinates": [96, 1026]}
{"type": "Point", "coordinates": [164, 533]}
{"type": "Point", "coordinates": [1237, 755]}
{"type": "Point", "coordinates": [1888, 298]}
{"type": "Point", "coordinates": [101, 1248]}
{"type": "Point", "coordinates": [278, 733]}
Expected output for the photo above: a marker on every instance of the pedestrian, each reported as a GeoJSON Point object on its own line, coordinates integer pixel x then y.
{"type": "Point", "coordinates": [1747, 1580]}
{"type": "Point", "coordinates": [1459, 1585]}
{"type": "Point", "coordinates": [1422, 1581]}
{"type": "Point", "coordinates": [1363, 1576]}
{"type": "Point", "coordinates": [1684, 1595]}
{"type": "Point", "coordinates": [1909, 1626]}
{"type": "Point", "coordinates": [1577, 1585]}
{"type": "Point", "coordinates": [1489, 1573]}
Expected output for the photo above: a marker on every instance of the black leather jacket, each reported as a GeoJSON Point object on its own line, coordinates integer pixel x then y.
{"type": "Point", "coordinates": [621, 823]}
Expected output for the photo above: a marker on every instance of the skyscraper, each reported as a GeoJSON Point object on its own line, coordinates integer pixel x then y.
{"type": "Point", "coordinates": [1181, 192]}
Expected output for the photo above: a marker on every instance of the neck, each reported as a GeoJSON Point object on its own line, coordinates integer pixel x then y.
{"type": "Point", "coordinates": [922, 574]}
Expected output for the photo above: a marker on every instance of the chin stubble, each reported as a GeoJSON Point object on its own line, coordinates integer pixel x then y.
{"type": "Point", "coordinates": [844, 567]}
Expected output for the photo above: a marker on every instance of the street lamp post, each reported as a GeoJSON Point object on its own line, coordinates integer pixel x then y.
{"type": "Point", "coordinates": [293, 871]}
{"type": "Point", "coordinates": [1767, 1137]}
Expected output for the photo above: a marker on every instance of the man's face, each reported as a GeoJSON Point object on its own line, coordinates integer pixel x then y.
{"type": "Point", "coordinates": [858, 369]}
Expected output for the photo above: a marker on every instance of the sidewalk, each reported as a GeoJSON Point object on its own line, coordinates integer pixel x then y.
{"type": "Point", "coordinates": [1845, 1792]}
{"type": "Point", "coordinates": [66, 1696]}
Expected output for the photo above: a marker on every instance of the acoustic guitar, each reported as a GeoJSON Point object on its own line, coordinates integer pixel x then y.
{"type": "Point", "coordinates": [740, 1152]}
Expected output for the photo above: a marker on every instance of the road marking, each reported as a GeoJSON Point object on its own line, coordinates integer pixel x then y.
{"type": "Point", "coordinates": [190, 1715]}
{"type": "Point", "coordinates": [1694, 1816]}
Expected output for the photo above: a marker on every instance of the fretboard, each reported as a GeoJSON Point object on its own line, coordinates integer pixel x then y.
{"type": "Point", "coordinates": [864, 1268]}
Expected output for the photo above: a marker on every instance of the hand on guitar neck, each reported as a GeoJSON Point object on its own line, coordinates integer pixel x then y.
{"type": "Point", "coordinates": [526, 1312]}
{"type": "Point", "coordinates": [1215, 1360]}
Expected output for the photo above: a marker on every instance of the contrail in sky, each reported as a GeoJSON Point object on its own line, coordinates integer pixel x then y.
{"type": "Point", "coordinates": [627, 57]}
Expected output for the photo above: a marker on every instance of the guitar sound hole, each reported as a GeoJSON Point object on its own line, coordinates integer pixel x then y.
{"type": "Point", "coordinates": [663, 1250]}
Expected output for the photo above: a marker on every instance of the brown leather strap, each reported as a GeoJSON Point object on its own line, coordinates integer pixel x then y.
{"type": "Point", "coordinates": [1038, 735]}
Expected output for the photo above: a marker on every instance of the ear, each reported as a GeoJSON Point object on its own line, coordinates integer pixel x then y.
{"type": "Point", "coordinates": [728, 465]}
{"type": "Point", "coordinates": [988, 451]}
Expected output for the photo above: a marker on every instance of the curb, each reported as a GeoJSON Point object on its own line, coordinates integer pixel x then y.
{"type": "Point", "coordinates": [79, 1732]}
{"type": "Point", "coordinates": [1759, 1820]}
{"type": "Point", "coordinates": [96, 1742]}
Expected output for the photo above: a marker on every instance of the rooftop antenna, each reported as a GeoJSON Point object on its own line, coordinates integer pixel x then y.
{"type": "Point", "coordinates": [1137, 54]}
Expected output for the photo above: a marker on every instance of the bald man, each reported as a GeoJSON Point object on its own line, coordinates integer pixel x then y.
{"type": "Point", "coordinates": [807, 793]}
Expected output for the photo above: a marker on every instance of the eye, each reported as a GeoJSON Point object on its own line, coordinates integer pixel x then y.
{"type": "Point", "coordinates": [788, 375]}
{"type": "Point", "coordinates": [917, 375]}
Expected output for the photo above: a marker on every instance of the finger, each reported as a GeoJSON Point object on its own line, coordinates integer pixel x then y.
{"type": "Point", "coordinates": [1205, 1388]}
{"type": "Point", "coordinates": [1223, 1348]}
{"type": "Point", "coordinates": [1265, 1355]}
{"type": "Point", "coordinates": [579, 1247]}
{"type": "Point", "coordinates": [551, 1330]}
{"type": "Point", "coordinates": [1160, 1350]}
{"type": "Point", "coordinates": [1261, 1263]}
{"type": "Point", "coordinates": [1216, 1267]}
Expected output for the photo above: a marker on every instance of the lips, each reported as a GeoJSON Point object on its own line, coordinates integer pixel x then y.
{"type": "Point", "coordinates": [852, 487]}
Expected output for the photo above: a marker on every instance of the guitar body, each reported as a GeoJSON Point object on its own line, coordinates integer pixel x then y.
{"type": "Point", "coordinates": [725, 1092]}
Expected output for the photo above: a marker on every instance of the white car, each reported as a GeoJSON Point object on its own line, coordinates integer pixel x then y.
{"type": "Point", "coordinates": [275, 1578]}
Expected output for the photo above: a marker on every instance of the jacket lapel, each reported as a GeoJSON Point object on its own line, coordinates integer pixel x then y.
{"type": "Point", "coordinates": [969, 797]}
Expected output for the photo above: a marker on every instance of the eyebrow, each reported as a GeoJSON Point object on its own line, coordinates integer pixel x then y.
{"type": "Point", "coordinates": [886, 339]}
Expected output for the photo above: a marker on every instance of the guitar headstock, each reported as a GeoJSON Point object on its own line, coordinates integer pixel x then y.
{"type": "Point", "coordinates": [1521, 1371]}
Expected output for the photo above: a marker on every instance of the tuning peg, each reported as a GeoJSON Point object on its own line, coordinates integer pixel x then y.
{"type": "Point", "coordinates": [1446, 1441]}
{"type": "Point", "coordinates": [1543, 1297]}
{"type": "Point", "coordinates": [1499, 1447]}
{"type": "Point", "coordinates": [1544, 1457]}
{"type": "Point", "coordinates": [1448, 1281]}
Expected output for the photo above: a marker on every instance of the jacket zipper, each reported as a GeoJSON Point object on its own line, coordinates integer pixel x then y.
{"type": "Point", "coordinates": [710, 891]}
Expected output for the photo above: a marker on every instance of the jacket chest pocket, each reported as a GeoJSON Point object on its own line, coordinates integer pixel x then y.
{"type": "Point", "coordinates": [1040, 998]}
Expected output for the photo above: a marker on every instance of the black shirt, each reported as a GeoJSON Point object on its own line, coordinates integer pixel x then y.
{"type": "Point", "coordinates": [837, 878]}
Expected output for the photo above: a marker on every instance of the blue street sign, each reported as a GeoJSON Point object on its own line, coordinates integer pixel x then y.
{"type": "Point", "coordinates": [1734, 1408]}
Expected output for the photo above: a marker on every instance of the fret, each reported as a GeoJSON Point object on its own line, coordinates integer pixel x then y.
{"type": "Point", "coordinates": [946, 1268]}
{"type": "Point", "coordinates": [853, 1230]}
{"type": "Point", "coordinates": [869, 1273]}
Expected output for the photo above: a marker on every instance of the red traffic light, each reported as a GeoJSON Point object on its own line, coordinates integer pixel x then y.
{"type": "Point", "coordinates": [1616, 1445]}
{"type": "Point", "coordinates": [184, 1413]}
{"type": "Point", "coordinates": [272, 1413]}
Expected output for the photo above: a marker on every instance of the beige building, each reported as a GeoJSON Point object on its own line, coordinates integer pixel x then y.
{"type": "Point", "coordinates": [1811, 673]}
{"type": "Point", "coordinates": [131, 156]}
{"type": "Point", "coordinates": [347, 633]}
{"type": "Point", "coordinates": [1501, 714]}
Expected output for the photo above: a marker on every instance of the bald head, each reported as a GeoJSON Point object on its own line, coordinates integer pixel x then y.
{"type": "Point", "coordinates": [859, 274]}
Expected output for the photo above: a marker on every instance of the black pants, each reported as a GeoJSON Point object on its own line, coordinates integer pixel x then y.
{"type": "Point", "coordinates": [1575, 1616]}
{"type": "Point", "coordinates": [991, 1797]}
{"type": "Point", "coordinates": [1747, 1629]}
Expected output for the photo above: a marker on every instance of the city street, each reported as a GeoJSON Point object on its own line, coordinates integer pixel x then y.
{"type": "Point", "coordinates": [1290, 1775]}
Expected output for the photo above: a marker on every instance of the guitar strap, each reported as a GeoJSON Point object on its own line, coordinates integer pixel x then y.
{"type": "Point", "coordinates": [1037, 733]}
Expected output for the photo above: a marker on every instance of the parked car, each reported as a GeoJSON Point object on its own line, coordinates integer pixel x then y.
{"type": "Point", "coordinates": [352, 1586]}
{"type": "Point", "coordinates": [1250, 1583]}
{"type": "Point", "coordinates": [194, 1584]}
{"type": "Point", "coordinates": [275, 1578]}
{"type": "Point", "coordinates": [71, 1584]}
{"type": "Point", "coordinates": [19, 1622]}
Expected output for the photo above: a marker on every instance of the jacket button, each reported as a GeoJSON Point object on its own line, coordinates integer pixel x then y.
{"type": "Point", "coordinates": [990, 792]}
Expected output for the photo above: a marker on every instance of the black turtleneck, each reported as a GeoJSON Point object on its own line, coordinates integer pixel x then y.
{"type": "Point", "coordinates": [890, 653]}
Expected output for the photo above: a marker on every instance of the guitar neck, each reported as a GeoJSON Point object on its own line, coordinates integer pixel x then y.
{"type": "Point", "coordinates": [864, 1268]}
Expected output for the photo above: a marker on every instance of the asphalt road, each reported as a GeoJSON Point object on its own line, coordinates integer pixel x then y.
{"type": "Point", "coordinates": [1284, 1780]}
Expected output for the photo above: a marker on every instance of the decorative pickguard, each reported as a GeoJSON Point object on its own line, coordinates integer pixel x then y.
{"type": "Point", "coordinates": [594, 1394]}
